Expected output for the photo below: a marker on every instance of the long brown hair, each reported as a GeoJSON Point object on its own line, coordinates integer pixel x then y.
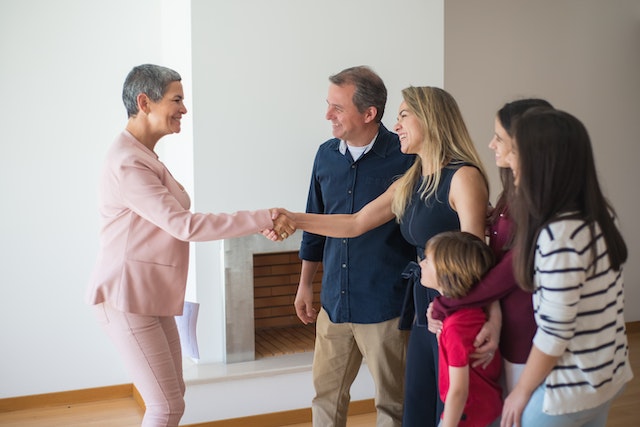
{"type": "Point", "coordinates": [557, 175]}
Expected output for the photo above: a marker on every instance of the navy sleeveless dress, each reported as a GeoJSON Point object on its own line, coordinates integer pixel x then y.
{"type": "Point", "coordinates": [422, 220]}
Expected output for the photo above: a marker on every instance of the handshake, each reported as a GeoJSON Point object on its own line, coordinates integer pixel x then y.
{"type": "Point", "coordinates": [284, 225]}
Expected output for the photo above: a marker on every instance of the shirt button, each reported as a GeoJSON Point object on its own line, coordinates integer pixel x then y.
{"type": "Point", "coordinates": [349, 191]}
{"type": "Point", "coordinates": [344, 241]}
{"type": "Point", "coordinates": [344, 265]}
{"type": "Point", "coordinates": [353, 166]}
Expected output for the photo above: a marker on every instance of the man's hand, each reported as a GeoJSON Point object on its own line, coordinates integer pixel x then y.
{"type": "Point", "coordinates": [304, 304]}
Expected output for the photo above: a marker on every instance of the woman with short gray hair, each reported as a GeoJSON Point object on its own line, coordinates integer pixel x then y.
{"type": "Point", "coordinates": [138, 284]}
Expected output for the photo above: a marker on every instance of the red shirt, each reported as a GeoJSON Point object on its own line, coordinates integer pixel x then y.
{"type": "Point", "coordinates": [484, 402]}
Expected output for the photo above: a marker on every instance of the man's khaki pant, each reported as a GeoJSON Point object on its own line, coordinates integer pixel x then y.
{"type": "Point", "coordinates": [338, 354]}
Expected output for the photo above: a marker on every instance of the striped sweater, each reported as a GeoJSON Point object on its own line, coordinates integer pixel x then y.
{"type": "Point", "coordinates": [579, 312]}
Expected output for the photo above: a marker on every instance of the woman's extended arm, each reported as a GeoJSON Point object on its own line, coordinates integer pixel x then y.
{"type": "Point", "coordinates": [372, 215]}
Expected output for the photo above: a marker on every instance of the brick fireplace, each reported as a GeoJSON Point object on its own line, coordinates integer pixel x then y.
{"type": "Point", "coordinates": [261, 279]}
{"type": "Point", "coordinates": [278, 330]}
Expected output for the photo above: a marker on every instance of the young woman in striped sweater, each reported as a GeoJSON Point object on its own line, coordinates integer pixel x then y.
{"type": "Point", "coordinates": [569, 253]}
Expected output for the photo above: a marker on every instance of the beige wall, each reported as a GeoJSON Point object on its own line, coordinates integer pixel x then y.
{"type": "Point", "coordinates": [581, 55]}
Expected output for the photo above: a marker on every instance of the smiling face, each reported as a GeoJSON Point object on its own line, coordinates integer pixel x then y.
{"type": "Point", "coordinates": [347, 123]}
{"type": "Point", "coordinates": [409, 129]}
{"type": "Point", "coordinates": [501, 144]}
{"type": "Point", "coordinates": [166, 114]}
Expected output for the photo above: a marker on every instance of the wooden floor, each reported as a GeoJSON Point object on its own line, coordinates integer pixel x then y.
{"type": "Point", "coordinates": [278, 341]}
{"type": "Point", "coordinates": [125, 412]}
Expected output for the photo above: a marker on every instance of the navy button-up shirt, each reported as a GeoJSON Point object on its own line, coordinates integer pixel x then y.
{"type": "Point", "coordinates": [361, 280]}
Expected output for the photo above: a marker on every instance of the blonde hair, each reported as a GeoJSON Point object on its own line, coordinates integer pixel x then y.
{"type": "Point", "coordinates": [460, 259]}
{"type": "Point", "coordinates": [446, 139]}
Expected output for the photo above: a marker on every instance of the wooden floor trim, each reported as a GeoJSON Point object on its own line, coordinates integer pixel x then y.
{"type": "Point", "coordinates": [633, 327]}
{"type": "Point", "coordinates": [66, 397]}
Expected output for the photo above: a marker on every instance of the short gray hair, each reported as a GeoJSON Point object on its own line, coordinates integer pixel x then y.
{"type": "Point", "coordinates": [149, 79]}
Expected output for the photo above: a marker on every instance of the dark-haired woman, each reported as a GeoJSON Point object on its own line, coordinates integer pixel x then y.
{"type": "Point", "coordinates": [569, 252]}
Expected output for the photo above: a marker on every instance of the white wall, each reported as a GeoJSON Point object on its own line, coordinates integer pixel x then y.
{"type": "Point", "coordinates": [63, 64]}
{"type": "Point", "coordinates": [260, 80]}
{"type": "Point", "coordinates": [581, 55]}
{"type": "Point", "coordinates": [258, 117]}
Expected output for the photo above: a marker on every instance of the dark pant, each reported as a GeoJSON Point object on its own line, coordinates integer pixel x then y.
{"type": "Point", "coordinates": [422, 404]}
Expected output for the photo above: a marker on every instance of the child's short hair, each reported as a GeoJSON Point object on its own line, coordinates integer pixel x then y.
{"type": "Point", "coordinates": [460, 259]}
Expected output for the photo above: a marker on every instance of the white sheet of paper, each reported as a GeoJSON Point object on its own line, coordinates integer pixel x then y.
{"type": "Point", "coordinates": [187, 329]}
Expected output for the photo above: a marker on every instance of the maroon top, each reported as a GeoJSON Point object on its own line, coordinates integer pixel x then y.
{"type": "Point", "coordinates": [518, 324]}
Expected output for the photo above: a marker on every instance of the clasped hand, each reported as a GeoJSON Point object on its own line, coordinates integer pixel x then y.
{"type": "Point", "coordinates": [283, 225]}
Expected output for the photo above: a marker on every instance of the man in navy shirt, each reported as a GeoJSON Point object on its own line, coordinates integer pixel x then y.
{"type": "Point", "coordinates": [362, 289]}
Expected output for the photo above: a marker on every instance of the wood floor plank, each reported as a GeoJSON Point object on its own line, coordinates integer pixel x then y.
{"type": "Point", "coordinates": [287, 340]}
{"type": "Point", "coordinates": [124, 412]}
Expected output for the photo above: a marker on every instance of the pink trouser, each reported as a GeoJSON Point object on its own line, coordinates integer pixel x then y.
{"type": "Point", "coordinates": [150, 347]}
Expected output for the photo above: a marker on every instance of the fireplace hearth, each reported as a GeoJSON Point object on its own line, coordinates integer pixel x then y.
{"type": "Point", "coordinates": [278, 330]}
{"type": "Point", "coordinates": [261, 279]}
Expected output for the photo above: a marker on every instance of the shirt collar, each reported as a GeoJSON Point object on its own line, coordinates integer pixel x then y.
{"type": "Point", "coordinates": [343, 146]}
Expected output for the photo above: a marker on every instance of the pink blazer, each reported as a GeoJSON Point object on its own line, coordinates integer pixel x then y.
{"type": "Point", "coordinates": [146, 225]}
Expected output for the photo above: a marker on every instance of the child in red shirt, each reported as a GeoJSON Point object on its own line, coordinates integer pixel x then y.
{"type": "Point", "coordinates": [453, 263]}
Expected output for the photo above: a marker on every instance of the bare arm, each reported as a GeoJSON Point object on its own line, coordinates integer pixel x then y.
{"type": "Point", "coordinates": [304, 296]}
{"type": "Point", "coordinates": [372, 215]}
{"type": "Point", "coordinates": [456, 396]}
{"type": "Point", "coordinates": [469, 196]}
{"type": "Point", "coordinates": [488, 339]}
{"type": "Point", "coordinates": [539, 365]}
